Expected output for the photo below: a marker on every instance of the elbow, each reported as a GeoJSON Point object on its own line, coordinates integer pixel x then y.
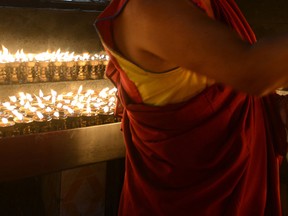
{"type": "Point", "coordinates": [257, 87]}
{"type": "Point", "coordinates": [256, 79]}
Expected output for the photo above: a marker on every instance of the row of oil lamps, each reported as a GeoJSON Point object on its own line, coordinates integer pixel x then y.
{"type": "Point", "coordinates": [35, 72]}
{"type": "Point", "coordinates": [27, 114]}
{"type": "Point", "coordinates": [50, 66]}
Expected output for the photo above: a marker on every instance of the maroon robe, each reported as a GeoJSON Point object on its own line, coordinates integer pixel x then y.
{"type": "Point", "coordinates": [216, 154]}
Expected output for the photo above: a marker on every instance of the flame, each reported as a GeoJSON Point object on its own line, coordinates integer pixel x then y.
{"type": "Point", "coordinates": [27, 105]}
{"type": "Point", "coordinates": [15, 112]}
{"type": "Point", "coordinates": [56, 114]}
{"type": "Point", "coordinates": [80, 105]}
{"type": "Point", "coordinates": [56, 56]}
{"type": "Point", "coordinates": [69, 94]}
{"type": "Point", "coordinates": [112, 99]}
{"type": "Point", "coordinates": [5, 121]}
{"type": "Point", "coordinates": [41, 93]}
{"type": "Point", "coordinates": [21, 56]}
{"type": "Point", "coordinates": [74, 103]}
{"type": "Point", "coordinates": [81, 98]}
{"type": "Point", "coordinates": [29, 97]}
{"type": "Point", "coordinates": [86, 56]}
{"type": "Point", "coordinates": [11, 108]}
{"type": "Point", "coordinates": [112, 91]}
{"type": "Point", "coordinates": [42, 106]}
{"type": "Point", "coordinates": [47, 98]}
{"type": "Point", "coordinates": [97, 105]}
{"type": "Point", "coordinates": [30, 57]}
{"type": "Point", "coordinates": [22, 95]}
{"type": "Point", "coordinates": [43, 57]}
{"type": "Point", "coordinates": [66, 107]}
{"type": "Point", "coordinates": [80, 90]}
{"type": "Point", "coordinates": [13, 99]}
{"type": "Point", "coordinates": [6, 56]}
{"type": "Point", "coordinates": [33, 109]}
{"type": "Point", "coordinates": [59, 105]}
{"type": "Point", "coordinates": [22, 102]}
{"type": "Point", "coordinates": [89, 92]}
{"type": "Point", "coordinates": [38, 99]}
{"type": "Point", "coordinates": [18, 115]}
{"type": "Point", "coordinates": [110, 104]}
{"type": "Point", "coordinates": [6, 104]}
{"type": "Point", "coordinates": [88, 109]}
{"type": "Point", "coordinates": [40, 103]}
{"type": "Point", "coordinates": [93, 98]}
{"type": "Point", "coordinates": [88, 100]}
{"type": "Point", "coordinates": [103, 93]}
{"type": "Point", "coordinates": [40, 115]}
{"type": "Point", "coordinates": [67, 57]}
{"type": "Point", "coordinates": [70, 110]}
{"type": "Point", "coordinates": [106, 109]}
{"type": "Point", "coordinates": [67, 101]}
{"type": "Point", "coordinates": [60, 97]}
{"type": "Point", "coordinates": [54, 94]}
{"type": "Point", "coordinates": [48, 109]}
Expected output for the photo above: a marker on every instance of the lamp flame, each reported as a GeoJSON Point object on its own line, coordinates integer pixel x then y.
{"type": "Point", "coordinates": [40, 115]}
{"type": "Point", "coordinates": [5, 121]}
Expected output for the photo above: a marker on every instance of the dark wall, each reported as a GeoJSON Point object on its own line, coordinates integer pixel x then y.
{"type": "Point", "coordinates": [36, 30]}
{"type": "Point", "coordinates": [265, 16]}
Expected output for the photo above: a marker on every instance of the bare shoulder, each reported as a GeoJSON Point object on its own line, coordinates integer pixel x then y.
{"type": "Point", "coordinates": [132, 30]}
{"type": "Point", "coordinates": [161, 28]}
{"type": "Point", "coordinates": [162, 34]}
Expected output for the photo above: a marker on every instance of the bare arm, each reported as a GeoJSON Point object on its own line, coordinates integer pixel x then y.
{"type": "Point", "coordinates": [180, 34]}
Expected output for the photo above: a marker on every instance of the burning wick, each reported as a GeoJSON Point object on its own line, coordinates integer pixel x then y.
{"type": "Point", "coordinates": [6, 123]}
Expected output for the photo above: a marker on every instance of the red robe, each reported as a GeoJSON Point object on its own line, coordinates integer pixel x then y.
{"type": "Point", "coordinates": [216, 154]}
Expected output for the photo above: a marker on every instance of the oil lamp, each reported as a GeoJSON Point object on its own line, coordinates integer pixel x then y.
{"type": "Point", "coordinates": [14, 72]}
{"type": "Point", "coordinates": [81, 65]}
{"type": "Point", "coordinates": [106, 116]}
{"type": "Point", "coordinates": [29, 69]}
{"type": "Point", "coordinates": [43, 71]}
{"type": "Point", "coordinates": [41, 123]}
{"type": "Point", "coordinates": [2, 73]}
{"type": "Point", "coordinates": [93, 72]}
{"type": "Point", "coordinates": [6, 128]}
{"type": "Point", "coordinates": [23, 124]}
{"type": "Point", "coordinates": [57, 71]}
{"type": "Point", "coordinates": [88, 116]}
{"type": "Point", "coordinates": [59, 121]}
{"type": "Point", "coordinates": [73, 119]}
{"type": "Point", "coordinates": [39, 113]}
{"type": "Point", "coordinates": [68, 70]}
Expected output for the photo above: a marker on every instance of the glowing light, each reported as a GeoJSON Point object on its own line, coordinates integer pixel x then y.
{"type": "Point", "coordinates": [41, 94]}
{"type": "Point", "coordinates": [56, 114]}
{"type": "Point", "coordinates": [13, 99]}
{"type": "Point", "coordinates": [40, 115]}
{"type": "Point", "coordinates": [5, 121]}
{"type": "Point", "coordinates": [80, 90]}
{"type": "Point", "coordinates": [106, 109]}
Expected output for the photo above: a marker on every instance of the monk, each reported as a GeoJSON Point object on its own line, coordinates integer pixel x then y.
{"type": "Point", "coordinates": [199, 116]}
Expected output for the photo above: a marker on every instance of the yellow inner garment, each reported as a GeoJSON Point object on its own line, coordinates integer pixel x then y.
{"type": "Point", "coordinates": [160, 89]}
